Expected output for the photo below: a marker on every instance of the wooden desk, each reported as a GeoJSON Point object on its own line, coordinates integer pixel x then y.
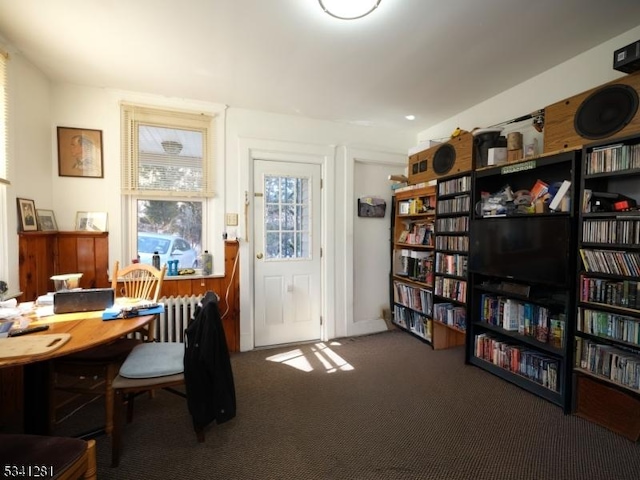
{"type": "Point", "coordinates": [87, 330]}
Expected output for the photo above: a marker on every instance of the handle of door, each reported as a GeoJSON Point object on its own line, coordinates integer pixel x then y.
{"type": "Point", "coordinates": [259, 256]}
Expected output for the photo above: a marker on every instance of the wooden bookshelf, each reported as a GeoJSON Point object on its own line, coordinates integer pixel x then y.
{"type": "Point", "coordinates": [412, 256]}
{"type": "Point", "coordinates": [607, 334]}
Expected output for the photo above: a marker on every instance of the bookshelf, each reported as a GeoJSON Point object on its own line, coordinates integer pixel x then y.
{"type": "Point", "coordinates": [607, 336]}
{"type": "Point", "coordinates": [522, 275]}
{"type": "Point", "coordinates": [451, 258]}
{"type": "Point", "coordinates": [412, 260]}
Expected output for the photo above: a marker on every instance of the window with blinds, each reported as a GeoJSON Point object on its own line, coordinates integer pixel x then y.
{"type": "Point", "coordinates": [166, 181]}
{"type": "Point", "coordinates": [4, 158]}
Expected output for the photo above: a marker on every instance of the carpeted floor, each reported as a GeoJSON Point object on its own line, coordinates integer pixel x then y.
{"type": "Point", "coordinates": [382, 406]}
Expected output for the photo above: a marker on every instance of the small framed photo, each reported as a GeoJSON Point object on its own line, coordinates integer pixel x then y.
{"type": "Point", "coordinates": [47, 220]}
{"type": "Point", "coordinates": [80, 152]}
{"type": "Point", "coordinates": [91, 221]}
{"type": "Point", "coordinates": [27, 215]}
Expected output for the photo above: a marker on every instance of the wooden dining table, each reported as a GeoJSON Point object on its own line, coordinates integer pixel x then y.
{"type": "Point", "coordinates": [86, 330]}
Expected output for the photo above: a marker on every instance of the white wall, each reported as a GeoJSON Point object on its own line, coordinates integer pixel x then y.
{"type": "Point", "coordinates": [583, 72]}
{"type": "Point", "coordinates": [29, 148]}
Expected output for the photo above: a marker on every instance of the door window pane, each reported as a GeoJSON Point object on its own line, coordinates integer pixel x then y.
{"type": "Point", "coordinates": [286, 217]}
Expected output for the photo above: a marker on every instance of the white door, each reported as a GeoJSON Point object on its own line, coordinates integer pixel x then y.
{"type": "Point", "coordinates": [287, 282]}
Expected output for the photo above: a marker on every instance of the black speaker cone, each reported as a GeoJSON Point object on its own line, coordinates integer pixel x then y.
{"type": "Point", "coordinates": [444, 159]}
{"type": "Point", "coordinates": [606, 111]}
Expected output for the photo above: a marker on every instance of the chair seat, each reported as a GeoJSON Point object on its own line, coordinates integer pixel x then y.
{"type": "Point", "coordinates": [152, 360]}
{"type": "Point", "coordinates": [110, 352]}
{"type": "Point", "coordinates": [123, 383]}
{"type": "Point", "coordinates": [57, 453]}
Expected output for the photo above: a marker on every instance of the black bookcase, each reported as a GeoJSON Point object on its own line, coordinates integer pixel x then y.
{"type": "Point", "coordinates": [453, 209]}
{"type": "Point", "coordinates": [607, 334]}
{"type": "Point", "coordinates": [522, 275]}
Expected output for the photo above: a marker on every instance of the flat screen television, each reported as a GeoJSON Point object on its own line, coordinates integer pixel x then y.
{"type": "Point", "coordinates": [531, 249]}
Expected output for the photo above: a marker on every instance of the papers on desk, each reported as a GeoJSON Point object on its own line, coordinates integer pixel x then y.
{"type": "Point", "coordinates": [129, 311]}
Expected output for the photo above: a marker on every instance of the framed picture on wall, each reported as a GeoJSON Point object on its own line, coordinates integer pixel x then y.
{"type": "Point", "coordinates": [80, 152]}
{"type": "Point", "coordinates": [47, 220]}
{"type": "Point", "coordinates": [27, 215]}
{"type": "Point", "coordinates": [91, 221]}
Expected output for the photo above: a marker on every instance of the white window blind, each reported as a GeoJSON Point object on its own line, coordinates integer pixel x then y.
{"type": "Point", "coordinates": [4, 120]}
{"type": "Point", "coordinates": [167, 153]}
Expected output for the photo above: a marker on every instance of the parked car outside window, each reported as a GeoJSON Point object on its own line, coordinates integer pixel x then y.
{"type": "Point", "coordinates": [169, 247]}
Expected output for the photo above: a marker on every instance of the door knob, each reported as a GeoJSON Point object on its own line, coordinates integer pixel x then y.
{"type": "Point", "coordinates": [259, 256]}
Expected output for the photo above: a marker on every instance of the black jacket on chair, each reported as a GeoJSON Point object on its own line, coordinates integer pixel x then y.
{"type": "Point", "coordinates": [208, 376]}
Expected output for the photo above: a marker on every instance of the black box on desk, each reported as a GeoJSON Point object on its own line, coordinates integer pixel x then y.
{"type": "Point", "coordinates": [85, 300]}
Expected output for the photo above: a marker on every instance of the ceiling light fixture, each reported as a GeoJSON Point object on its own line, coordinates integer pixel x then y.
{"type": "Point", "coordinates": [349, 9]}
{"type": "Point", "coordinates": [172, 147]}
{"type": "Point", "coordinates": [410, 117]}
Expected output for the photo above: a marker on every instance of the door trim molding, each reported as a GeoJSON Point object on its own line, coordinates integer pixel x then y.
{"type": "Point", "coordinates": [249, 150]}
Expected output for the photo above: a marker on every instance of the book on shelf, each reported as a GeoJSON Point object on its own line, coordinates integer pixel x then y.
{"type": "Point", "coordinates": [556, 202]}
{"type": "Point", "coordinates": [538, 190]}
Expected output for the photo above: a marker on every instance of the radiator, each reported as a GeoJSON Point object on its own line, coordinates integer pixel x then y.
{"type": "Point", "coordinates": [171, 323]}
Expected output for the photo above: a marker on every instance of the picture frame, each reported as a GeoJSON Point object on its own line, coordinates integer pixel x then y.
{"type": "Point", "coordinates": [80, 153]}
{"type": "Point", "coordinates": [47, 220]}
{"type": "Point", "coordinates": [27, 215]}
{"type": "Point", "coordinates": [91, 221]}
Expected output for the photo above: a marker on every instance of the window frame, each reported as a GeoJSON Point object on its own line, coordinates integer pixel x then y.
{"type": "Point", "coordinates": [133, 115]}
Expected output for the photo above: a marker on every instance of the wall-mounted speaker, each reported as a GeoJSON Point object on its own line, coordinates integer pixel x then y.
{"type": "Point", "coordinates": [449, 158]}
{"type": "Point", "coordinates": [602, 113]}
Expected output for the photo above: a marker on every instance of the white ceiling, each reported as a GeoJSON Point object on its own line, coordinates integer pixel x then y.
{"type": "Point", "coordinates": [430, 58]}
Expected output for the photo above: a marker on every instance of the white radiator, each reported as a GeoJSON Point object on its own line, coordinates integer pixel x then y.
{"type": "Point", "coordinates": [171, 324]}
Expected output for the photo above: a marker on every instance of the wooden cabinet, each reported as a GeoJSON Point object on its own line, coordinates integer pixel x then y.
{"type": "Point", "coordinates": [43, 254]}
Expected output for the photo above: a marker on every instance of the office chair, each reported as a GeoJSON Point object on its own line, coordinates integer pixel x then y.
{"type": "Point", "coordinates": [91, 372]}
{"type": "Point", "coordinates": [201, 365]}
{"type": "Point", "coordinates": [31, 456]}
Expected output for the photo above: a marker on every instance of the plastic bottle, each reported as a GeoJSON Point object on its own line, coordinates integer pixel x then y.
{"type": "Point", "coordinates": [155, 260]}
{"type": "Point", "coordinates": [207, 263]}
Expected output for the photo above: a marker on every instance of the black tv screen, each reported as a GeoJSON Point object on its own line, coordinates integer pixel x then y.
{"type": "Point", "coordinates": [528, 248]}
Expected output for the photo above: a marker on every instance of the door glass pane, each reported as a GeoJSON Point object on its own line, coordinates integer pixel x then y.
{"type": "Point", "coordinates": [286, 217]}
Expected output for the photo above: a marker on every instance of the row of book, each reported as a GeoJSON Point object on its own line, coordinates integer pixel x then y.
{"type": "Point", "coordinates": [624, 293]}
{"type": "Point", "coordinates": [613, 158]}
{"type": "Point", "coordinates": [451, 264]}
{"type": "Point", "coordinates": [451, 288]}
{"type": "Point", "coordinates": [619, 366]}
{"type": "Point", "coordinates": [452, 225]}
{"type": "Point", "coordinates": [454, 205]}
{"type": "Point", "coordinates": [525, 318]}
{"type": "Point", "coordinates": [412, 321]}
{"type": "Point", "coordinates": [455, 243]}
{"type": "Point", "coordinates": [417, 233]}
{"type": "Point", "coordinates": [614, 231]}
{"type": "Point", "coordinates": [450, 314]}
{"type": "Point", "coordinates": [455, 185]}
{"type": "Point", "coordinates": [612, 325]}
{"type": "Point", "coordinates": [416, 265]}
{"type": "Point", "coordinates": [517, 359]}
{"type": "Point", "coordinates": [415, 298]}
{"type": "Point", "coordinates": [612, 262]}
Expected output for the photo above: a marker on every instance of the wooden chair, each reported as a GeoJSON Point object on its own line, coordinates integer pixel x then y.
{"type": "Point", "coordinates": [165, 365]}
{"type": "Point", "coordinates": [39, 456]}
{"type": "Point", "coordinates": [91, 372]}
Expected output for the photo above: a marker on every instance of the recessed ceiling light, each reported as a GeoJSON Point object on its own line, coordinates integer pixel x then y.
{"type": "Point", "coordinates": [410, 117]}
